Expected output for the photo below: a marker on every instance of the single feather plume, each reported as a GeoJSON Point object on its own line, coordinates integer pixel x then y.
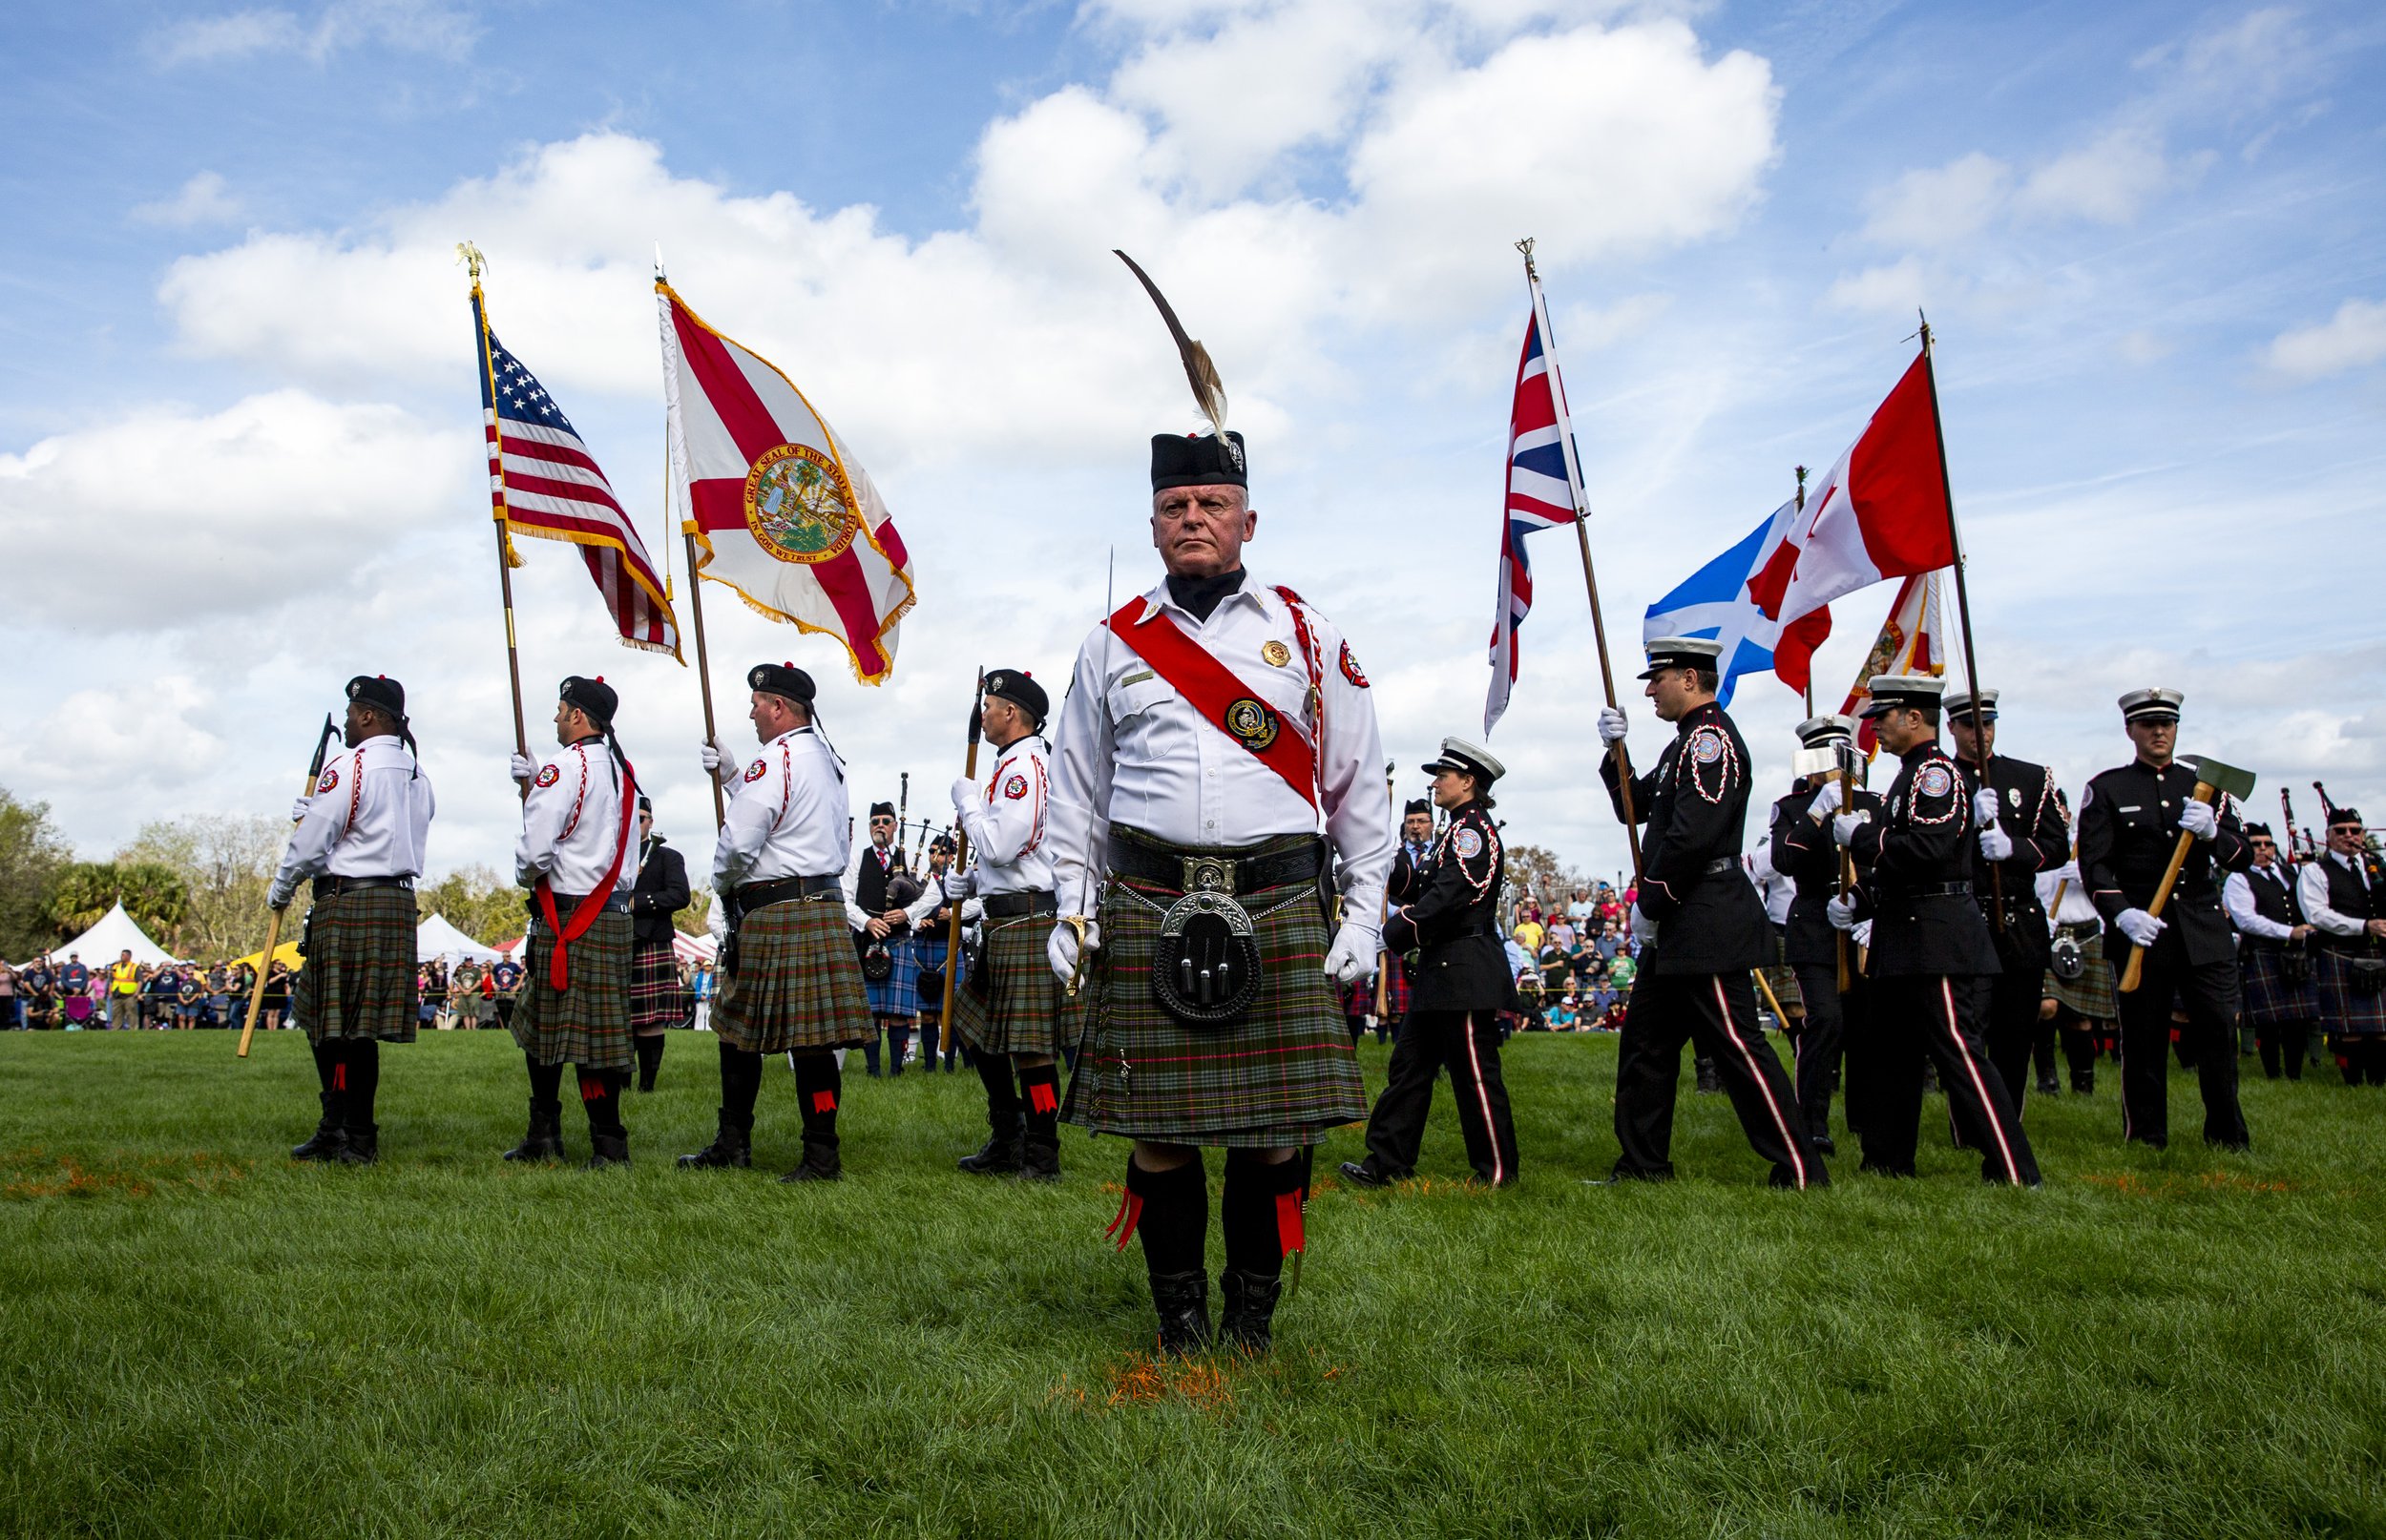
{"type": "Point", "coordinates": [1209, 393]}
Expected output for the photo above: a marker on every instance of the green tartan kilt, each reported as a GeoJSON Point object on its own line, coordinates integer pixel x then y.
{"type": "Point", "coordinates": [1282, 1077]}
{"type": "Point", "coordinates": [589, 1023]}
{"type": "Point", "coordinates": [358, 983]}
{"type": "Point", "coordinates": [2093, 993]}
{"type": "Point", "coordinates": [1023, 1009]}
{"type": "Point", "coordinates": [798, 984]}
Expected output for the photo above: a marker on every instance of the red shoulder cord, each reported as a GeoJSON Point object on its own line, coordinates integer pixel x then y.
{"type": "Point", "coordinates": [559, 965]}
{"type": "Point", "coordinates": [1312, 656]}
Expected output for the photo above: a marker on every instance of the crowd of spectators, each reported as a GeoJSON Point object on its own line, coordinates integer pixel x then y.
{"type": "Point", "coordinates": [1574, 959]}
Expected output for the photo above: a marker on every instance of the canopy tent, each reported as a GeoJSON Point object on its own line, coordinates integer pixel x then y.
{"type": "Point", "coordinates": [692, 950]}
{"type": "Point", "coordinates": [436, 938]}
{"type": "Point", "coordinates": [116, 933]}
{"type": "Point", "coordinates": [287, 954]}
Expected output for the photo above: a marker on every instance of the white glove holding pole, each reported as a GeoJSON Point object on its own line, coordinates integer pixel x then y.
{"type": "Point", "coordinates": [1353, 955]}
{"type": "Point", "coordinates": [710, 753]}
{"type": "Point", "coordinates": [956, 885]}
{"type": "Point", "coordinates": [1643, 928]}
{"type": "Point", "coordinates": [1062, 950]}
{"type": "Point", "coordinates": [298, 809]}
{"type": "Point", "coordinates": [1825, 801]}
{"type": "Point", "coordinates": [1984, 807]}
{"type": "Point", "coordinates": [520, 767]}
{"type": "Point", "coordinates": [2199, 820]}
{"type": "Point", "coordinates": [1996, 843]}
{"type": "Point", "coordinates": [1842, 913]}
{"type": "Point", "coordinates": [1843, 828]}
{"type": "Point", "coordinates": [2141, 927]}
{"type": "Point", "coordinates": [967, 794]}
{"type": "Point", "coordinates": [1863, 933]}
{"type": "Point", "coordinates": [1612, 727]}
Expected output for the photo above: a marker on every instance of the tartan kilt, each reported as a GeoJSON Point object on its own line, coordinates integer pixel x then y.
{"type": "Point", "coordinates": [928, 951]}
{"type": "Point", "coordinates": [1359, 999]}
{"type": "Point", "coordinates": [358, 981]}
{"type": "Point", "coordinates": [2093, 993]}
{"type": "Point", "coordinates": [657, 999]}
{"type": "Point", "coordinates": [898, 993]}
{"type": "Point", "coordinates": [589, 1023]}
{"type": "Point", "coordinates": [1023, 1009]}
{"type": "Point", "coordinates": [798, 984]}
{"type": "Point", "coordinates": [2343, 1011]}
{"type": "Point", "coordinates": [1282, 1077]}
{"type": "Point", "coordinates": [1783, 980]}
{"type": "Point", "coordinates": [2269, 1000]}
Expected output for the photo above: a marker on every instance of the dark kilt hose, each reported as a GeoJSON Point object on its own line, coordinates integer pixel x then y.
{"type": "Point", "coordinates": [1021, 1009]}
{"type": "Point", "coordinates": [358, 982]}
{"type": "Point", "coordinates": [1282, 1078]}
{"type": "Point", "coordinates": [588, 1023]}
{"type": "Point", "coordinates": [798, 984]}
{"type": "Point", "coordinates": [658, 1001]}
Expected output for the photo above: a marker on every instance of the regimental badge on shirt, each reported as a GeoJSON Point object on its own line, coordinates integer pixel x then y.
{"type": "Point", "coordinates": [1933, 780]}
{"type": "Point", "coordinates": [1015, 787]}
{"type": "Point", "coordinates": [754, 771]}
{"type": "Point", "coordinates": [1275, 653]}
{"type": "Point", "coordinates": [331, 778]}
{"type": "Point", "coordinates": [1350, 670]}
{"type": "Point", "coordinates": [1710, 759]}
{"type": "Point", "coordinates": [1468, 844]}
{"type": "Point", "coordinates": [1253, 724]}
{"type": "Point", "coordinates": [549, 775]}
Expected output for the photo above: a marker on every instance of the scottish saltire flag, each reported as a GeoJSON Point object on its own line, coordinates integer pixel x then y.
{"type": "Point", "coordinates": [1714, 602]}
{"type": "Point", "coordinates": [543, 482]}
{"type": "Point", "coordinates": [1541, 494]}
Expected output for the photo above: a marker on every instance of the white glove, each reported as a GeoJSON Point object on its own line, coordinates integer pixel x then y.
{"type": "Point", "coordinates": [1842, 913]}
{"type": "Point", "coordinates": [1825, 801]}
{"type": "Point", "coordinates": [2141, 927]}
{"type": "Point", "coordinates": [1984, 807]}
{"type": "Point", "coordinates": [1612, 727]}
{"type": "Point", "coordinates": [2199, 820]}
{"type": "Point", "coordinates": [520, 768]}
{"type": "Point", "coordinates": [277, 896]}
{"type": "Point", "coordinates": [1353, 955]}
{"type": "Point", "coordinates": [1996, 843]}
{"type": "Point", "coordinates": [298, 809]}
{"type": "Point", "coordinates": [713, 759]}
{"type": "Point", "coordinates": [1060, 951]}
{"type": "Point", "coordinates": [967, 794]}
{"type": "Point", "coordinates": [1863, 933]}
{"type": "Point", "coordinates": [956, 885]}
{"type": "Point", "coordinates": [1843, 828]}
{"type": "Point", "coordinates": [1643, 928]}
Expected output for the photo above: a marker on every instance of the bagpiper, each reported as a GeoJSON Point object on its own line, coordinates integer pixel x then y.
{"type": "Point", "coordinates": [1836, 1019]}
{"type": "Point", "coordinates": [2274, 956]}
{"type": "Point", "coordinates": [878, 893]}
{"type": "Point", "coordinates": [659, 997]}
{"type": "Point", "coordinates": [574, 857]}
{"type": "Point", "coordinates": [2343, 894]}
{"type": "Point", "coordinates": [790, 981]}
{"type": "Point", "coordinates": [360, 838]}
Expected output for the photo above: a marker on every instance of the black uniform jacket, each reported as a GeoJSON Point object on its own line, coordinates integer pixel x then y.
{"type": "Point", "coordinates": [1452, 922]}
{"type": "Point", "coordinates": [1696, 803]}
{"type": "Point", "coordinates": [661, 892]}
{"type": "Point", "coordinates": [1917, 854]}
{"type": "Point", "coordinates": [2027, 811]}
{"type": "Point", "coordinates": [1805, 852]}
{"type": "Point", "coordinates": [2128, 826]}
{"type": "Point", "coordinates": [1407, 874]}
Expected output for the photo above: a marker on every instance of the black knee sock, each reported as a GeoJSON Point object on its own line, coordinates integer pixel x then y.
{"type": "Point", "coordinates": [817, 1082]}
{"type": "Point", "coordinates": [600, 1093]}
{"type": "Point", "coordinates": [1039, 1086]}
{"type": "Point", "coordinates": [546, 1086]}
{"type": "Point", "coordinates": [328, 1071]}
{"type": "Point", "coordinates": [1171, 1210]}
{"type": "Point", "coordinates": [1260, 1209]}
{"type": "Point", "coordinates": [361, 1060]}
{"type": "Point", "coordinates": [649, 1050]}
{"type": "Point", "coordinates": [1002, 1097]}
{"type": "Point", "coordinates": [741, 1082]}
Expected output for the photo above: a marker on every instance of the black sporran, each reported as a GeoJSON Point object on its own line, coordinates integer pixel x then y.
{"type": "Point", "coordinates": [1205, 966]}
{"type": "Point", "coordinates": [2066, 961]}
{"type": "Point", "coordinates": [877, 963]}
{"type": "Point", "coordinates": [2366, 975]}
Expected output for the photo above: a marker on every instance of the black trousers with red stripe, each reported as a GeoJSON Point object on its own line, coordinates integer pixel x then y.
{"type": "Point", "coordinates": [1933, 1016]}
{"type": "Point", "coordinates": [1718, 1013]}
{"type": "Point", "coordinates": [1466, 1044]}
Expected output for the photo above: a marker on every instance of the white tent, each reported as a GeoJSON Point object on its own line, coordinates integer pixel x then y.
{"type": "Point", "coordinates": [116, 932]}
{"type": "Point", "coordinates": [435, 937]}
{"type": "Point", "coordinates": [689, 948]}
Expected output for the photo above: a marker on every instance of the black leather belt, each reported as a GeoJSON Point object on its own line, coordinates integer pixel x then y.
{"type": "Point", "coordinates": [752, 896]}
{"type": "Point", "coordinates": [1720, 866]}
{"type": "Point", "coordinates": [1012, 906]}
{"type": "Point", "coordinates": [333, 886]}
{"type": "Point", "coordinates": [1183, 868]}
{"type": "Point", "coordinates": [567, 905]}
{"type": "Point", "coordinates": [2079, 929]}
{"type": "Point", "coordinates": [1962, 889]}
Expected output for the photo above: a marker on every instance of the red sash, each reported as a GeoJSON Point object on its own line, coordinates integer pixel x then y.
{"type": "Point", "coordinates": [566, 932]}
{"type": "Point", "coordinates": [1234, 708]}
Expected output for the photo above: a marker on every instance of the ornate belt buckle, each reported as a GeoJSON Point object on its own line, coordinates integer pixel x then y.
{"type": "Point", "coordinates": [1207, 874]}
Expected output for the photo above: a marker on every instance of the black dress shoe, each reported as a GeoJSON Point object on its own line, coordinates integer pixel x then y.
{"type": "Point", "coordinates": [1363, 1173]}
{"type": "Point", "coordinates": [1182, 1301]}
{"type": "Point", "coordinates": [1245, 1323]}
{"type": "Point", "coordinates": [1824, 1146]}
{"type": "Point", "coordinates": [2050, 1087]}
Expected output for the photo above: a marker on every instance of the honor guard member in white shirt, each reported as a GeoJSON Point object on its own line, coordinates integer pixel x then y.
{"type": "Point", "coordinates": [2130, 820]}
{"type": "Point", "coordinates": [1703, 928]}
{"type": "Point", "coordinates": [575, 857]}
{"type": "Point", "coordinates": [1215, 724]}
{"type": "Point", "coordinates": [1006, 1004]}
{"type": "Point", "coordinates": [2343, 895]}
{"type": "Point", "coordinates": [360, 838]}
{"type": "Point", "coordinates": [2274, 956]}
{"type": "Point", "coordinates": [789, 980]}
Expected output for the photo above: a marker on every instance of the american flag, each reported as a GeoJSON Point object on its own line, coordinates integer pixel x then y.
{"type": "Point", "coordinates": [1541, 495]}
{"type": "Point", "coordinates": [543, 482]}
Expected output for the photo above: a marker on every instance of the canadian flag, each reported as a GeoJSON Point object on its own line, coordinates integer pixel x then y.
{"type": "Point", "coordinates": [1881, 512]}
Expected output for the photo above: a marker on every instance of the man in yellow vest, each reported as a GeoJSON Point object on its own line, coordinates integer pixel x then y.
{"type": "Point", "coordinates": [124, 987]}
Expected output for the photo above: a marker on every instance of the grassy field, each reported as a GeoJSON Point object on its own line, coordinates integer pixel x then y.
{"type": "Point", "coordinates": [201, 1337]}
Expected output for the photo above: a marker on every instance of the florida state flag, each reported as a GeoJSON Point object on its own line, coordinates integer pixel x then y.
{"type": "Point", "coordinates": [779, 510]}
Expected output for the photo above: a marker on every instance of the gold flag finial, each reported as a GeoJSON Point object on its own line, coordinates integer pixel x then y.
{"type": "Point", "coordinates": [469, 256]}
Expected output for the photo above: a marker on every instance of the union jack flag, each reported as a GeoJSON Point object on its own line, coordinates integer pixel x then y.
{"type": "Point", "coordinates": [1543, 492]}
{"type": "Point", "coordinates": [543, 482]}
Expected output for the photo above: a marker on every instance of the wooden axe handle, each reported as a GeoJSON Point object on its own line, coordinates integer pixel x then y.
{"type": "Point", "coordinates": [2130, 975]}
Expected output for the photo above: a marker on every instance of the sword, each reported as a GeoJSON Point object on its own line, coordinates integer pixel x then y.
{"type": "Point", "coordinates": [272, 927]}
{"type": "Point", "coordinates": [1078, 922]}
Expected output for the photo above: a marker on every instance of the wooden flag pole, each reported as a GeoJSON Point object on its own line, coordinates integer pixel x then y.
{"type": "Point", "coordinates": [473, 262]}
{"type": "Point", "coordinates": [1383, 957]}
{"type": "Point", "coordinates": [273, 926]}
{"type": "Point", "coordinates": [960, 859]}
{"type": "Point", "coordinates": [703, 666]}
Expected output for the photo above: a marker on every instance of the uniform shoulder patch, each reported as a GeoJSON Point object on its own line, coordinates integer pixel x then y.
{"type": "Point", "coordinates": [754, 771]}
{"type": "Point", "coordinates": [331, 778]}
{"type": "Point", "coordinates": [1467, 842]}
{"type": "Point", "coordinates": [1350, 668]}
{"type": "Point", "coordinates": [1707, 745]}
{"type": "Point", "coordinates": [1934, 781]}
{"type": "Point", "coordinates": [548, 776]}
{"type": "Point", "coordinates": [1015, 787]}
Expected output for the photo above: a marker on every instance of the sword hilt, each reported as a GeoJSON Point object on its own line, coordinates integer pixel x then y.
{"type": "Point", "coordinates": [1076, 971]}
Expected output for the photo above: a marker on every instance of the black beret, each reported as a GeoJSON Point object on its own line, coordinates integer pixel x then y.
{"type": "Point", "coordinates": [781, 679]}
{"type": "Point", "coordinates": [380, 691]}
{"type": "Point", "coordinates": [1417, 804]}
{"type": "Point", "coordinates": [1020, 689]}
{"type": "Point", "coordinates": [2344, 815]}
{"type": "Point", "coordinates": [593, 696]}
{"type": "Point", "coordinates": [2262, 829]}
{"type": "Point", "coordinates": [882, 810]}
{"type": "Point", "coordinates": [943, 842]}
{"type": "Point", "coordinates": [1198, 460]}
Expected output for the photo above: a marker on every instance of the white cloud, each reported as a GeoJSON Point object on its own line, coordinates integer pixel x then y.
{"type": "Point", "coordinates": [1903, 286]}
{"type": "Point", "coordinates": [91, 740]}
{"type": "Point", "coordinates": [435, 26]}
{"type": "Point", "coordinates": [2106, 183]}
{"type": "Point", "coordinates": [204, 199]}
{"type": "Point", "coordinates": [2355, 335]}
{"type": "Point", "coordinates": [1939, 206]}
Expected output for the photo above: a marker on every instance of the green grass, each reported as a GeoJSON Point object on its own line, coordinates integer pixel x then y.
{"type": "Point", "coordinates": [202, 1337]}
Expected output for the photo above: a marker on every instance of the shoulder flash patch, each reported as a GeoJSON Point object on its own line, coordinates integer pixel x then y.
{"type": "Point", "coordinates": [1350, 668]}
{"type": "Point", "coordinates": [1707, 745]}
{"type": "Point", "coordinates": [754, 771]}
{"type": "Point", "coordinates": [549, 775]}
{"type": "Point", "coordinates": [1467, 842]}
{"type": "Point", "coordinates": [1015, 787]}
{"type": "Point", "coordinates": [1934, 781]}
{"type": "Point", "coordinates": [331, 778]}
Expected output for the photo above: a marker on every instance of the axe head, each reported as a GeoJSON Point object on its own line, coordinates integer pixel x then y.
{"type": "Point", "coordinates": [2221, 777]}
{"type": "Point", "coordinates": [1810, 762]}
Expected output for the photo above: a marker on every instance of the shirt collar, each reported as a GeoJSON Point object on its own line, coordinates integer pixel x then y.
{"type": "Point", "coordinates": [1253, 593]}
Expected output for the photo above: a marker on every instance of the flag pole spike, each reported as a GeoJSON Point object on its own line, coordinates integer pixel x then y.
{"type": "Point", "coordinates": [474, 261]}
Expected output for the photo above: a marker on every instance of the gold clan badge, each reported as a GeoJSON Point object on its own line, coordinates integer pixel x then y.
{"type": "Point", "coordinates": [1252, 724]}
{"type": "Point", "coordinates": [1276, 654]}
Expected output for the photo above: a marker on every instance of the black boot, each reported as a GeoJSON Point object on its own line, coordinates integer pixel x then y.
{"type": "Point", "coordinates": [610, 1150]}
{"type": "Point", "coordinates": [1710, 1082]}
{"type": "Point", "coordinates": [1249, 1309]}
{"type": "Point", "coordinates": [1039, 1159]}
{"type": "Point", "coordinates": [328, 1139]}
{"type": "Point", "coordinates": [731, 1146]}
{"type": "Point", "coordinates": [649, 1051]}
{"type": "Point", "coordinates": [1183, 1301]}
{"type": "Point", "coordinates": [1001, 1153]}
{"type": "Point", "coordinates": [821, 1161]}
{"type": "Point", "coordinates": [1039, 1088]}
{"type": "Point", "coordinates": [545, 1139]}
{"type": "Point", "coordinates": [2083, 1082]}
{"type": "Point", "coordinates": [361, 1146]}
{"type": "Point", "coordinates": [817, 1083]}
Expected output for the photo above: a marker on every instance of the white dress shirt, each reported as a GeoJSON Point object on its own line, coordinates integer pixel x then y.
{"type": "Point", "coordinates": [1131, 750]}
{"type": "Point", "coordinates": [2076, 908]}
{"type": "Point", "coordinates": [572, 823]}
{"type": "Point", "coordinates": [2237, 894]}
{"type": "Point", "coordinates": [1006, 823]}
{"type": "Point", "coordinates": [2312, 893]}
{"type": "Point", "coordinates": [1774, 890]}
{"type": "Point", "coordinates": [369, 816]}
{"type": "Point", "coordinates": [788, 816]}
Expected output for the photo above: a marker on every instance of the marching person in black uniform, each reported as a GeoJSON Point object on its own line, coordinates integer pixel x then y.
{"type": "Point", "coordinates": [1803, 852]}
{"type": "Point", "coordinates": [2020, 833]}
{"type": "Point", "coordinates": [2274, 956]}
{"type": "Point", "coordinates": [1931, 959]}
{"type": "Point", "coordinates": [1406, 884]}
{"type": "Point", "coordinates": [2130, 820]}
{"type": "Point", "coordinates": [1703, 929]}
{"type": "Point", "coordinates": [2343, 894]}
{"type": "Point", "coordinates": [1451, 921]}
{"type": "Point", "coordinates": [659, 1000]}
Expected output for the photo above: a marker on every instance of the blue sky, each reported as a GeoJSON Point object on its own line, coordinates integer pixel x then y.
{"type": "Point", "coordinates": [236, 391]}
